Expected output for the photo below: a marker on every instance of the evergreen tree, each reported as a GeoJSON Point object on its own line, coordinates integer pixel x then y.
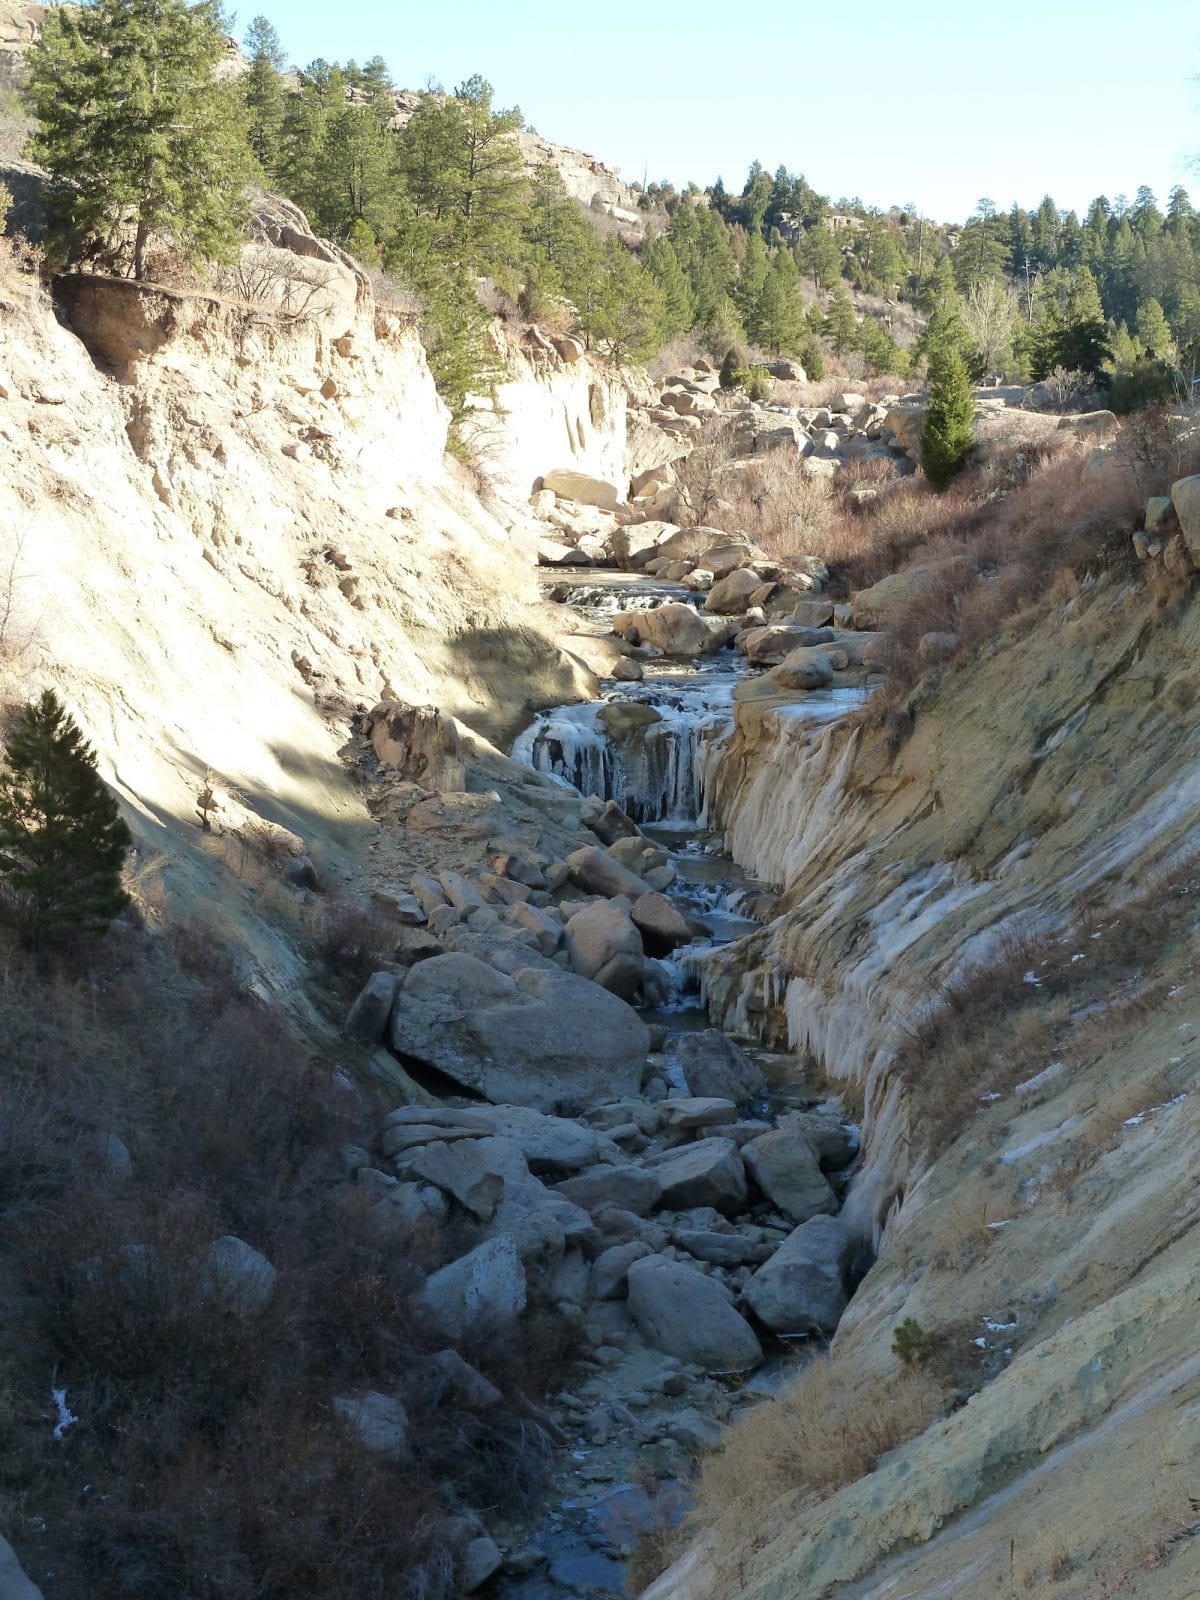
{"type": "Point", "coordinates": [62, 838]}
{"type": "Point", "coordinates": [841, 324]}
{"type": "Point", "coordinates": [355, 190]}
{"type": "Point", "coordinates": [946, 438]}
{"type": "Point", "coordinates": [136, 131]}
{"type": "Point", "coordinates": [820, 257]}
{"type": "Point", "coordinates": [777, 322]}
{"type": "Point", "coordinates": [262, 88]}
{"type": "Point", "coordinates": [678, 306]}
{"type": "Point", "coordinates": [1153, 331]}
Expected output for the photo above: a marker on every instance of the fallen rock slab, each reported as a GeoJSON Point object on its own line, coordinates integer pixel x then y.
{"type": "Point", "coordinates": [480, 1292]}
{"type": "Point", "coordinates": [707, 1173]}
{"type": "Point", "coordinates": [802, 1288]}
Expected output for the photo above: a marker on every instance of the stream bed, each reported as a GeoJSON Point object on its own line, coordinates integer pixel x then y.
{"type": "Point", "coordinates": [611, 1484]}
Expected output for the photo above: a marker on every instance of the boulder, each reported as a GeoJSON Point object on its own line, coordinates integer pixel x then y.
{"type": "Point", "coordinates": [695, 1111]}
{"type": "Point", "coordinates": [684, 1313]}
{"type": "Point", "coordinates": [786, 1167]}
{"type": "Point", "coordinates": [879, 606]}
{"type": "Point", "coordinates": [727, 555]}
{"type": "Point", "coordinates": [813, 613]}
{"type": "Point", "coordinates": [835, 1142]}
{"type": "Point", "coordinates": [679, 630]}
{"type": "Point", "coordinates": [239, 1274]}
{"type": "Point", "coordinates": [810, 667]}
{"type": "Point", "coordinates": [608, 1278]}
{"type": "Point", "coordinates": [599, 872]}
{"type": "Point", "coordinates": [380, 1422]}
{"type": "Point", "coordinates": [688, 543]}
{"type": "Point", "coordinates": [663, 925]}
{"type": "Point", "coordinates": [770, 645]}
{"type": "Point", "coordinates": [731, 595]}
{"type": "Point", "coordinates": [722, 1249]}
{"type": "Point", "coordinates": [367, 1019]}
{"type": "Point", "coordinates": [479, 1293]}
{"type": "Point", "coordinates": [419, 742]}
{"type": "Point", "coordinates": [14, 1585]}
{"type": "Point", "coordinates": [707, 1173]}
{"type": "Point", "coordinates": [625, 1188]}
{"type": "Point", "coordinates": [548, 1144]}
{"type": "Point", "coordinates": [636, 544]}
{"type": "Point", "coordinates": [545, 928]}
{"type": "Point", "coordinates": [1185, 497]}
{"type": "Point", "coordinates": [598, 933]}
{"type": "Point", "coordinates": [625, 719]}
{"type": "Point", "coordinates": [1160, 515]}
{"type": "Point", "coordinates": [584, 490]}
{"type": "Point", "coordinates": [611, 824]}
{"type": "Point", "coordinates": [627, 975]}
{"type": "Point", "coordinates": [802, 1288]}
{"type": "Point", "coordinates": [481, 1561]}
{"type": "Point", "coordinates": [461, 1170]}
{"type": "Point", "coordinates": [543, 1039]}
{"type": "Point", "coordinates": [715, 1068]}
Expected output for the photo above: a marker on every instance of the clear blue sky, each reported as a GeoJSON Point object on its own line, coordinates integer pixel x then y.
{"type": "Point", "coordinates": [926, 101]}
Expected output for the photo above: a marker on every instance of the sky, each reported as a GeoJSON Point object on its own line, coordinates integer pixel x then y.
{"type": "Point", "coordinates": [929, 102]}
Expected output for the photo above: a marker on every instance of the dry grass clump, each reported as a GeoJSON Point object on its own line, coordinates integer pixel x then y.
{"type": "Point", "coordinates": [825, 1431]}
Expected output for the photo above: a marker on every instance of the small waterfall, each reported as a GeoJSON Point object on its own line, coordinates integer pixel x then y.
{"type": "Point", "coordinates": [655, 773]}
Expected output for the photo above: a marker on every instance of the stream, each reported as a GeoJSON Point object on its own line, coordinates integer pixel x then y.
{"type": "Point", "coordinates": [656, 772]}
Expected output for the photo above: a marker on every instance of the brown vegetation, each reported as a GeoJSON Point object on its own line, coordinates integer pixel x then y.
{"type": "Point", "coordinates": [213, 1463]}
{"type": "Point", "coordinates": [830, 1427]}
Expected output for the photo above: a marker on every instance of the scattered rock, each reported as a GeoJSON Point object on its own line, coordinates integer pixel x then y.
{"type": "Point", "coordinates": [707, 1173]}
{"type": "Point", "coordinates": [714, 1067]}
{"type": "Point", "coordinates": [802, 1288]}
{"type": "Point", "coordinates": [479, 1293]}
{"type": "Point", "coordinates": [785, 1166]}
{"type": "Point", "coordinates": [367, 1019]}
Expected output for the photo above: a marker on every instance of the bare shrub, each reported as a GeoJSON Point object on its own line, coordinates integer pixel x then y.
{"type": "Point", "coordinates": [295, 288]}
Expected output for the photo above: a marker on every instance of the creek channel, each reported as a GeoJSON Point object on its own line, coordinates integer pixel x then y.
{"type": "Point", "coordinates": [656, 770]}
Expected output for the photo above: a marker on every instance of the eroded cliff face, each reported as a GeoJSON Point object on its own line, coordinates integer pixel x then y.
{"type": "Point", "coordinates": [223, 531]}
{"type": "Point", "coordinates": [1051, 788]}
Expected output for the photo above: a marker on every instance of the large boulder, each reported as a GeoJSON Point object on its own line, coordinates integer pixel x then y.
{"type": "Point", "coordinates": [677, 629]}
{"type": "Point", "coordinates": [367, 1019]}
{"type": "Point", "coordinates": [598, 933]}
{"type": "Point", "coordinates": [802, 1288]}
{"type": "Point", "coordinates": [550, 1145]}
{"type": "Point", "coordinates": [686, 544]}
{"type": "Point", "coordinates": [543, 1039]}
{"type": "Point", "coordinates": [462, 1170]}
{"type": "Point", "coordinates": [482, 1292]}
{"type": "Point", "coordinates": [419, 742]}
{"type": "Point", "coordinates": [662, 924]}
{"type": "Point", "coordinates": [769, 645]}
{"type": "Point", "coordinates": [726, 555]}
{"type": "Point", "coordinates": [731, 595]}
{"type": "Point", "coordinates": [787, 1168]}
{"type": "Point", "coordinates": [636, 544]}
{"type": "Point", "coordinates": [688, 1315]}
{"type": "Point", "coordinates": [584, 490]}
{"type": "Point", "coordinates": [714, 1067]}
{"type": "Point", "coordinates": [881, 604]}
{"type": "Point", "coordinates": [599, 872]}
{"type": "Point", "coordinates": [1185, 497]}
{"type": "Point", "coordinates": [707, 1173]}
{"type": "Point", "coordinates": [809, 667]}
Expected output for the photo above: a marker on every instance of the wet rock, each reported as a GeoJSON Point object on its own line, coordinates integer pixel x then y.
{"type": "Point", "coordinates": [481, 1292]}
{"type": "Point", "coordinates": [807, 668]}
{"type": "Point", "coordinates": [769, 646]}
{"type": "Point", "coordinates": [714, 1068]}
{"type": "Point", "coordinates": [707, 1173]}
{"type": "Point", "coordinates": [625, 974]}
{"type": "Point", "coordinates": [785, 1166]}
{"type": "Point", "coordinates": [686, 1314]}
{"type": "Point", "coordinates": [731, 595]}
{"type": "Point", "coordinates": [802, 1288]}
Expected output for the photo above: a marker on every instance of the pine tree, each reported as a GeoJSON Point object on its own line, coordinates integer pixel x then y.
{"type": "Point", "coordinates": [62, 837]}
{"type": "Point", "coordinates": [946, 438]}
{"type": "Point", "coordinates": [1153, 331]}
{"type": "Point", "coordinates": [138, 135]}
{"type": "Point", "coordinates": [777, 322]}
{"type": "Point", "coordinates": [678, 306]}
{"type": "Point", "coordinates": [262, 88]}
{"type": "Point", "coordinates": [841, 325]}
{"type": "Point", "coordinates": [820, 257]}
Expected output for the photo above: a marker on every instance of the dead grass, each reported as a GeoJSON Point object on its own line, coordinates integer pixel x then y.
{"type": "Point", "coordinates": [1041, 995]}
{"type": "Point", "coordinates": [825, 1431]}
{"type": "Point", "coordinates": [216, 1467]}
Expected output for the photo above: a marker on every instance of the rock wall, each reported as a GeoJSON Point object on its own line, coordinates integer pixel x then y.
{"type": "Point", "coordinates": [222, 531]}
